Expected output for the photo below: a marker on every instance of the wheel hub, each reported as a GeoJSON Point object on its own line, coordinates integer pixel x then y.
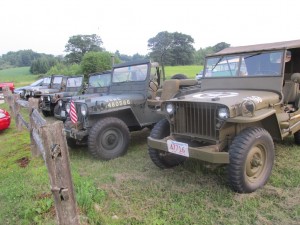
{"type": "Point", "coordinates": [255, 162]}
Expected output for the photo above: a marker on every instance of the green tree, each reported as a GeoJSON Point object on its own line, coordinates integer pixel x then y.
{"type": "Point", "coordinates": [203, 52]}
{"type": "Point", "coordinates": [42, 64]}
{"type": "Point", "coordinates": [78, 45]}
{"type": "Point", "coordinates": [172, 48]}
{"type": "Point", "coordinates": [65, 69]}
{"type": "Point", "coordinates": [20, 58]}
{"type": "Point", "coordinates": [97, 62]}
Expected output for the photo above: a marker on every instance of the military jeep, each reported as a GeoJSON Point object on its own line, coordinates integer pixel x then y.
{"type": "Point", "coordinates": [49, 102]}
{"type": "Point", "coordinates": [53, 84]}
{"type": "Point", "coordinates": [249, 97]}
{"type": "Point", "coordinates": [98, 84]}
{"type": "Point", "coordinates": [132, 104]}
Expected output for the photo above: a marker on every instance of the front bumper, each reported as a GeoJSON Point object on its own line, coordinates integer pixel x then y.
{"type": "Point", "coordinates": [75, 131]}
{"type": "Point", "coordinates": [207, 153]}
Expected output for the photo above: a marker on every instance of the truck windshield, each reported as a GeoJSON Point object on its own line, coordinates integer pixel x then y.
{"type": "Point", "coordinates": [130, 73]}
{"type": "Point", "coordinates": [255, 64]}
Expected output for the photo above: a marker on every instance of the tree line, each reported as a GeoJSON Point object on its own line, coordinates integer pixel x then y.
{"type": "Point", "coordinates": [86, 54]}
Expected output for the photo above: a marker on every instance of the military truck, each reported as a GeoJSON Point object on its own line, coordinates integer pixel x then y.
{"type": "Point", "coordinates": [98, 84]}
{"type": "Point", "coordinates": [52, 84]}
{"type": "Point", "coordinates": [249, 97]}
{"type": "Point", "coordinates": [132, 104]}
{"type": "Point", "coordinates": [49, 102]}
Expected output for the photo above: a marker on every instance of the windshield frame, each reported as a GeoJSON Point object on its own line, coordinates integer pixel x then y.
{"type": "Point", "coordinates": [245, 64]}
{"type": "Point", "coordinates": [130, 73]}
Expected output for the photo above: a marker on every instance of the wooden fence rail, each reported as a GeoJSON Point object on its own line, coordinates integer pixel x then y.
{"type": "Point", "coordinates": [49, 141]}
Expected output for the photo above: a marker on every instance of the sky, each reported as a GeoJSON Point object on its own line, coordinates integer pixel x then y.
{"type": "Point", "coordinates": [45, 26]}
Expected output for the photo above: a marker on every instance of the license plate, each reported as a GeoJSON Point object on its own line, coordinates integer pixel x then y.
{"type": "Point", "coordinates": [62, 113]}
{"type": "Point", "coordinates": [178, 148]}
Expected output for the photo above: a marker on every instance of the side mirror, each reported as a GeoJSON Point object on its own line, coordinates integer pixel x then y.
{"type": "Point", "coordinates": [295, 77]}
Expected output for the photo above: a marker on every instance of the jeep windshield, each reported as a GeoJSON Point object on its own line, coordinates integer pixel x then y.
{"type": "Point", "coordinates": [250, 64]}
{"type": "Point", "coordinates": [74, 81]}
{"type": "Point", "coordinates": [130, 73]}
{"type": "Point", "coordinates": [100, 80]}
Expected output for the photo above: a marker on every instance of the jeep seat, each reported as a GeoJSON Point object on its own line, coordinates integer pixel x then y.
{"type": "Point", "coordinates": [291, 89]}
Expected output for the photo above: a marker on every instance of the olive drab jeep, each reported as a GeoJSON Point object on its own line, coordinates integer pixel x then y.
{"type": "Point", "coordinates": [249, 97]}
{"type": "Point", "coordinates": [50, 101]}
{"type": "Point", "coordinates": [98, 85]}
{"type": "Point", "coordinates": [56, 84]}
{"type": "Point", "coordinates": [133, 103]}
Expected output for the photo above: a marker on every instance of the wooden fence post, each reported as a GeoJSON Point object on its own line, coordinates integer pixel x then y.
{"type": "Point", "coordinates": [57, 161]}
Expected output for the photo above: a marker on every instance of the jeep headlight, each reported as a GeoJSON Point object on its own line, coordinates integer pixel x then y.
{"type": "Point", "coordinates": [248, 107]}
{"type": "Point", "coordinates": [60, 103]}
{"type": "Point", "coordinates": [223, 113]}
{"type": "Point", "coordinates": [170, 108]}
{"type": "Point", "coordinates": [83, 109]}
{"type": "Point", "coordinates": [48, 98]}
{"type": "Point", "coordinates": [68, 107]}
{"type": "Point", "coordinates": [42, 98]}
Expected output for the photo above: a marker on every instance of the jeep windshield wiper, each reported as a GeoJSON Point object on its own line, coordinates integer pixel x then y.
{"type": "Point", "coordinates": [217, 63]}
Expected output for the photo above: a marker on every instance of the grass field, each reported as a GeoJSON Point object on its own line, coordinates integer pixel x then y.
{"type": "Point", "coordinates": [20, 76]}
{"type": "Point", "coordinates": [132, 190]}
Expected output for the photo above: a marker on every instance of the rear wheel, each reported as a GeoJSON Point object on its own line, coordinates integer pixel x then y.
{"type": "Point", "coordinates": [251, 158]}
{"type": "Point", "coordinates": [163, 159]}
{"type": "Point", "coordinates": [108, 139]}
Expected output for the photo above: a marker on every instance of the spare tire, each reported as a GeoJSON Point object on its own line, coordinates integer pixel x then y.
{"type": "Point", "coordinates": [179, 76]}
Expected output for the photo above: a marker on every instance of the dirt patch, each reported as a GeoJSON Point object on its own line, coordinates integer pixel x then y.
{"type": "Point", "coordinates": [23, 162]}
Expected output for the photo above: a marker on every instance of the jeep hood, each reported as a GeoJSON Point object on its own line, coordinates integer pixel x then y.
{"type": "Point", "coordinates": [132, 98]}
{"type": "Point", "coordinates": [262, 99]}
{"type": "Point", "coordinates": [48, 90]}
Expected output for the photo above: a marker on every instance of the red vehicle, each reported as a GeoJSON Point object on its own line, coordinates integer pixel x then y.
{"type": "Point", "coordinates": [9, 84]}
{"type": "Point", "coordinates": [4, 119]}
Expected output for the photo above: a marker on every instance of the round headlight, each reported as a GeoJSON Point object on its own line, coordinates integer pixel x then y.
{"type": "Point", "coordinates": [248, 108]}
{"type": "Point", "coordinates": [68, 107]}
{"type": "Point", "coordinates": [48, 98]}
{"type": "Point", "coordinates": [60, 103]}
{"type": "Point", "coordinates": [223, 113]}
{"type": "Point", "coordinates": [83, 109]}
{"type": "Point", "coordinates": [170, 108]}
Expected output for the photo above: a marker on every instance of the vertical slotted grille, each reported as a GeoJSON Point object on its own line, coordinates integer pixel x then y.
{"type": "Point", "coordinates": [195, 119]}
{"type": "Point", "coordinates": [47, 101]}
{"type": "Point", "coordinates": [80, 117]}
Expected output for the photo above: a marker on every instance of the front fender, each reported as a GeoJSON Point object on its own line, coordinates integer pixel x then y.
{"type": "Point", "coordinates": [259, 115]}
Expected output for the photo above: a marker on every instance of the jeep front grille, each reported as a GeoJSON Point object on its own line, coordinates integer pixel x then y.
{"type": "Point", "coordinates": [80, 117]}
{"type": "Point", "coordinates": [46, 101]}
{"type": "Point", "coordinates": [195, 120]}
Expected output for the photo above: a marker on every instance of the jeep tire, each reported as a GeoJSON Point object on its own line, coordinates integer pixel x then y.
{"type": "Point", "coordinates": [46, 113]}
{"type": "Point", "coordinates": [108, 139]}
{"type": "Point", "coordinates": [251, 157]}
{"type": "Point", "coordinates": [163, 159]}
{"type": "Point", "coordinates": [72, 143]}
{"type": "Point", "coordinates": [179, 76]}
{"type": "Point", "coordinates": [297, 137]}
